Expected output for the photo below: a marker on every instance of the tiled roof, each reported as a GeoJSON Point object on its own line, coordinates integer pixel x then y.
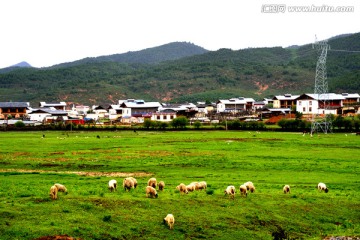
{"type": "Point", "coordinates": [14, 104]}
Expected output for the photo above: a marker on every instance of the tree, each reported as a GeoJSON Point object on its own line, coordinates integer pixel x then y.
{"type": "Point", "coordinates": [197, 124]}
{"type": "Point", "coordinates": [179, 122]}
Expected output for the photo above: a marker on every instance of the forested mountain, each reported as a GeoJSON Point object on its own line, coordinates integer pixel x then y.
{"type": "Point", "coordinates": [166, 52]}
{"type": "Point", "coordinates": [212, 75]}
{"type": "Point", "coordinates": [15, 66]}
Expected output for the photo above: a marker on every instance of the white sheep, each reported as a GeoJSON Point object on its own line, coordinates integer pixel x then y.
{"type": "Point", "coordinates": [112, 185]}
{"type": "Point", "coordinates": [230, 190]}
{"type": "Point", "coordinates": [128, 183]}
{"type": "Point", "coordinates": [286, 189]}
{"type": "Point", "coordinates": [196, 184]}
{"type": "Point", "coordinates": [203, 185]}
{"type": "Point", "coordinates": [134, 180]}
{"type": "Point", "coordinates": [322, 187]}
{"type": "Point", "coordinates": [243, 190]}
{"type": "Point", "coordinates": [53, 192]}
{"type": "Point", "coordinates": [182, 188]}
{"type": "Point", "coordinates": [161, 185]}
{"type": "Point", "coordinates": [152, 182]}
{"type": "Point", "coordinates": [170, 220]}
{"type": "Point", "coordinates": [250, 186]}
{"type": "Point", "coordinates": [151, 192]}
{"type": "Point", "coordinates": [60, 187]}
{"type": "Point", "coordinates": [191, 187]}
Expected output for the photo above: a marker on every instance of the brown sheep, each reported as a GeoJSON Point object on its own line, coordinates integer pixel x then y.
{"type": "Point", "coordinates": [151, 192]}
{"type": "Point", "coordinates": [243, 190]}
{"type": "Point", "coordinates": [128, 183]}
{"type": "Point", "coordinates": [152, 182]}
{"type": "Point", "coordinates": [169, 220]}
{"type": "Point", "coordinates": [250, 186]}
{"type": "Point", "coordinates": [134, 180]}
{"type": "Point", "coordinates": [60, 187]}
{"type": "Point", "coordinates": [53, 192]}
{"type": "Point", "coordinates": [286, 189]}
{"type": "Point", "coordinates": [182, 188]}
{"type": "Point", "coordinates": [161, 185]}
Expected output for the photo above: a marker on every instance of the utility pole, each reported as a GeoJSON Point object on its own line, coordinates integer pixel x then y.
{"type": "Point", "coordinates": [321, 119]}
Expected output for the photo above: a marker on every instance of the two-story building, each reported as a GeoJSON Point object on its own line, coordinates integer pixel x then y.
{"type": "Point", "coordinates": [285, 101]}
{"type": "Point", "coordinates": [329, 103]}
{"type": "Point", "coordinates": [13, 109]}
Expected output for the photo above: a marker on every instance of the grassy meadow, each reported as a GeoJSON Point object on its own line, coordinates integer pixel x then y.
{"type": "Point", "coordinates": [84, 163]}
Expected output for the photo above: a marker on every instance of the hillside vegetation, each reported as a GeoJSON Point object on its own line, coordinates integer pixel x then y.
{"type": "Point", "coordinates": [194, 75]}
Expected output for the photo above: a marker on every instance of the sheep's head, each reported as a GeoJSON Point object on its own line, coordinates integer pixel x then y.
{"type": "Point", "coordinates": [326, 190]}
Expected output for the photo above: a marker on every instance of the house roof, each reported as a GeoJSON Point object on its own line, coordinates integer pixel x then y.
{"type": "Point", "coordinates": [14, 105]}
{"type": "Point", "coordinates": [327, 96]}
{"type": "Point", "coordinates": [58, 104]}
{"type": "Point", "coordinates": [233, 101]}
{"type": "Point", "coordinates": [141, 104]}
{"type": "Point", "coordinates": [286, 97]}
{"type": "Point", "coordinates": [350, 95]}
{"type": "Point", "coordinates": [49, 111]}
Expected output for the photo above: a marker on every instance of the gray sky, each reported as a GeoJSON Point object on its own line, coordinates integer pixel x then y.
{"type": "Point", "coordinates": [48, 32]}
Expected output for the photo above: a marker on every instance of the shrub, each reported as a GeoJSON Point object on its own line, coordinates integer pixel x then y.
{"type": "Point", "coordinates": [19, 124]}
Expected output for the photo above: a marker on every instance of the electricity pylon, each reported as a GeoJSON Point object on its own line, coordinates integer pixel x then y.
{"type": "Point", "coordinates": [321, 120]}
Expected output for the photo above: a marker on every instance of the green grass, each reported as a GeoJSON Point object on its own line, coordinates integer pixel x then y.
{"type": "Point", "coordinates": [30, 165]}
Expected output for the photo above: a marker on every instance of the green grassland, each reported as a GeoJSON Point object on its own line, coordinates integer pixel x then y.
{"type": "Point", "coordinates": [84, 163]}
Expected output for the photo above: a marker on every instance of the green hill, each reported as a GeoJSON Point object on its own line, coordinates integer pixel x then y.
{"type": "Point", "coordinates": [211, 75]}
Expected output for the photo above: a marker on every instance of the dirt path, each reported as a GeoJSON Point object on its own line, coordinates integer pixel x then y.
{"type": "Point", "coordinates": [90, 174]}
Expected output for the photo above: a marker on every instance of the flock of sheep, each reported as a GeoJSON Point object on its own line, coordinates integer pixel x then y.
{"type": "Point", "coordinates": [131, 183]}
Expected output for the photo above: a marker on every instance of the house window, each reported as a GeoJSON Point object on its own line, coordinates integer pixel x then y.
{"type": "Point", "coordinates": [303, 109]}
{"type": "Point", "coordinates": [158, 117]}
{"type": "Point", "coordinates": [299, 103]}
{"type": "Point", "coordinates": [310, 109]}
{"type": "Point", "coordinates": [310, 103]}
{"type": "Point", "coordinates": [171, 117]}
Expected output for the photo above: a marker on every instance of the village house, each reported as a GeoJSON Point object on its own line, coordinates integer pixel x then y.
{"type": "Point", "coordinates": [58, 106]}
{"type": "Point", "coordinates": [235, 105]}
{"type": "Point", "coordinates": [285, 101]}
{"type": "Point", "coordinates": [13, 109]}
{"type": "Point", "coordinates": [48, 115]}
{"type": "Point", "coordinates": [137, 110]}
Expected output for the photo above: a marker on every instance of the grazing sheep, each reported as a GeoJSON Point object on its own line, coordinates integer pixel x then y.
{"type": "Point", "coordinates": [128, 183]}
{"type": "Point", "coordinates": [152, 182]}
{"type": "Point", "coordinates": [169, 220]}
{"type": "Point", "coordinates": [196, 184]}
{"type": "Point", "coordinates": [250, 186]}
{"type": "Point", "coordinates": [202, 185]}
{"type": "Point", "coordinates": [322, 186]}
{"type": "Point", "coordinates": [191, 187]}
{"type": "Point", "coordinates": [230, 190]}
{"type": "Point", "coordinates": [151, 192]}
{"type": "Point", "coordinates": [53, 192]}
{"type": "Point", "coordinates": [243, 190]}
{"type": "Point", "coordinates": [182, 188]}
{"type": "Point", "coordinates": [161, 185]}
{"type": "Point", "coordinates": [135, 181]}
{"type": "Point", "coordinates": [286, 189]}
{"type": "Point", "coordinates": [112, 185]}
{"type": "Point", "coordinates": [60, 187]}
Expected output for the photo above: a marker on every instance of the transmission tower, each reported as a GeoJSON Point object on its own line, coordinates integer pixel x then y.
{"type": "Point", "coordinates": [321, 120]}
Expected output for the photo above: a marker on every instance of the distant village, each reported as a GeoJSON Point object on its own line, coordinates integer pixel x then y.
{"type": "Point", "coordinates": [136, 111]}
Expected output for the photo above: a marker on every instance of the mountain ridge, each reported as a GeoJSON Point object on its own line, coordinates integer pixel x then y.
{"type": "Point", "coordinates": [225, 73]}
